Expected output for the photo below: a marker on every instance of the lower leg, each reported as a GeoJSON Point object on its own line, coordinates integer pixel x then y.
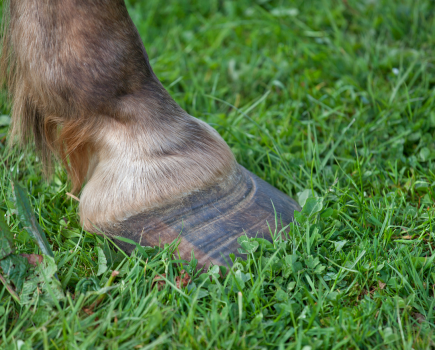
{"type": "Point", "coordinates": [83, 87]}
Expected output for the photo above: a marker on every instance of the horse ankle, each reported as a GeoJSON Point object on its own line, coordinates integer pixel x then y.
{"type": "Point", "coordinates": [135, 168]}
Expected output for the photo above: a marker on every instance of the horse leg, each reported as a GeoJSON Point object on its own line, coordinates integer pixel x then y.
{"type": "Point", "coordinates": [83, 89]}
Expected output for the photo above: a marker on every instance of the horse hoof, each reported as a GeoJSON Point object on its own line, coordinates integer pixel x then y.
{"type": "Point", "coordinates": [210, 221]}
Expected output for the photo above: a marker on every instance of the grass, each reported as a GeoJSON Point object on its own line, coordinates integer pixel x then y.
{"type": "Point", "coordinates": [328, 99]}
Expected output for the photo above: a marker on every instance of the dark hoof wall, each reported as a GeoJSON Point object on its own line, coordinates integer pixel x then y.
{"type": "Point", "coordinates": [210, 221]}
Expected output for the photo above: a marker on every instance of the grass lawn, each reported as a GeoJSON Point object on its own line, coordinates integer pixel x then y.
{"type": "Point", "coordinates": [328, 100]}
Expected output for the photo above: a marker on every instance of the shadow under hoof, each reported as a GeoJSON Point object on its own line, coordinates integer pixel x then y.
{"type": "Point", "coordinates": [209, 221]}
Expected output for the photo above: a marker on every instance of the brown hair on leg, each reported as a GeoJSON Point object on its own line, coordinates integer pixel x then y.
{"type": "Point", "coordinates": [69, 139]}
{"type": "Point", "coordinates": [27, 122]}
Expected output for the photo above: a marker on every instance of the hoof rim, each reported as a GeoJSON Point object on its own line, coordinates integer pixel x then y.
{"type": "Point", "coordinates": [209, 221]}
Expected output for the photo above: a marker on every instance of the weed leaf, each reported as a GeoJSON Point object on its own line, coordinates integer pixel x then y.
{"type": "Point", "coordinates": [327, 213]}
{"type": "Point", "coordinates": [241, 278]}
{"type": "Point", "coordinates": [6, 238]}
{"type": "Point", "coordinates": [15, 268]}
{"type": "Point", "coordinates": [27, 218]}
{"type": "Point", "coordinates": [312, 206]}
{"type": "Point", "coordinates": [248, 246]}
{"type": "Point", "coordinates": [102, 262]}
{"type": "Point", "coordinates": [299, 217]}
{"type": "Point", "coordinates": [42, 285]}
{"type": "Point", "coordinates": [339, 245]}
{"type": "Point", "coordinates": [422, 262]}
{"type": "Point", "coordinates": [89, 284]}
{"type": "Point", "coordinates": [5, 120]}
